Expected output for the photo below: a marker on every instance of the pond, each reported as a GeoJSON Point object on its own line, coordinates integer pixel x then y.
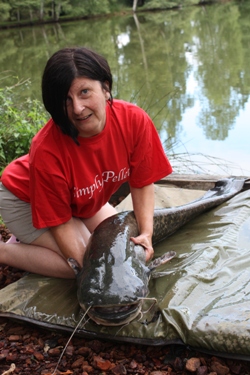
{"type": "Point", "coordinates": [188, 68]}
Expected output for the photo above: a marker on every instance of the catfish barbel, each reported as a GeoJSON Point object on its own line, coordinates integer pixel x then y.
{"type": "Point", "coordinates": [114, 278]}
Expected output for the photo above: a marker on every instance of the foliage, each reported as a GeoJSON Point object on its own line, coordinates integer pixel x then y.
{"type": "Point", "coordinates": [18, 124]}
{"type": "Point", "coordinates": [4, 10]}
{"type": "Point", "coordinates": [31, 10]}
{"type": "Point", "coordinates": [159, 4]}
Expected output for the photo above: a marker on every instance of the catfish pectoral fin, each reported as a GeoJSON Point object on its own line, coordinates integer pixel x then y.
{"type": "Point", "coordinates": [74, 265]}
{"type": "Point", "coordinates": [161, 260]}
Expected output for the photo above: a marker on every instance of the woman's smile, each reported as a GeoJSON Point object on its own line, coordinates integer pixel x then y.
{"type": "Point", "coordinates": [84, 118]}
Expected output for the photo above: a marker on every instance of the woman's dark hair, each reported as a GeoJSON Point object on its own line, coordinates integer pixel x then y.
{"type": "Point", "coordinates": [61, 69]}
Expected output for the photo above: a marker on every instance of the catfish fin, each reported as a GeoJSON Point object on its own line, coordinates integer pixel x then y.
{"type": "Point", "coordinates": [166, 257]}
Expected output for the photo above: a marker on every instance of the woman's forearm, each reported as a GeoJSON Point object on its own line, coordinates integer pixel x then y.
{"type": "Point", "coordinates": [71, 237]}
{"type": "Point", "coordinates": [143, 204]}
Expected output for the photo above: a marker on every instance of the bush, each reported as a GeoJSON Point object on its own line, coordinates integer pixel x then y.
{"type": "Point", "coordinates": [19, 122]}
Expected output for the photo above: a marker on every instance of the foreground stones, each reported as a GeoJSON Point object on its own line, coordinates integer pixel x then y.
{"type": "Point", "coordinates": [27, 349]}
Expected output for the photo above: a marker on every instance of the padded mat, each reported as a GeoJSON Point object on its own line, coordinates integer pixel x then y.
{"type": "Point", "coordinates": [202, 295]}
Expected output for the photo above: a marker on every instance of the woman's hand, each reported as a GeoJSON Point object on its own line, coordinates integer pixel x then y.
{"type": "Point", "coordinates": [145, 242]}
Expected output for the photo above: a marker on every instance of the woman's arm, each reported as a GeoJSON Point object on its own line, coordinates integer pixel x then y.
{"type": "Point", "coordinates": [72, 238]}
{"type": "Point", "coordinates": [143, 204]}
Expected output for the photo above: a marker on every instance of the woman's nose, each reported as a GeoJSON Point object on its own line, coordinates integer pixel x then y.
{"type": "Point", "coordinates": [78, 106]}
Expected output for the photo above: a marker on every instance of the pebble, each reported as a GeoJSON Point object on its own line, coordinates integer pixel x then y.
{"type": "Point", "coordinates": [39, 356]}
{"type": "Point", "coordinates": [119, 370]}
{"type": "Point", "coordinates": [100, 363]}
{"type": "Point", "coordinates": [193, 364]}
{"type": "Point", "coordinates": [14, 338]}
{"type": "Point", "coordinates": [202, 370]}
{"type": "Point", "coordinates": [219, 368]}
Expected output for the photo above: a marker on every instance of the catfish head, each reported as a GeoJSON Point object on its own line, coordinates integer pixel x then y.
{"type": "Point", "coordinates": [114, 278]}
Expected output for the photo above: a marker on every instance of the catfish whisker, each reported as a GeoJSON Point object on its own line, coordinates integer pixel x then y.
{"type": "Point", "coordinates": [78, 324]}
{"type": "Point", "coordinates": [124, 325]}
{"type": "Point", "coordinates": [154, 300]}
{"type": "Point", "coordinates": [141, 316]}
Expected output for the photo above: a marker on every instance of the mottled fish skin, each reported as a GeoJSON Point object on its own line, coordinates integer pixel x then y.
{"type": "Point", "coordinates": [168, 220]}
{"type": "Point", "coordinates": [115, 276]}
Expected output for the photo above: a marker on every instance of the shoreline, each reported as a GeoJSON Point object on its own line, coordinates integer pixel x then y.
{"type": "Point", "coordinates": [30, 23]}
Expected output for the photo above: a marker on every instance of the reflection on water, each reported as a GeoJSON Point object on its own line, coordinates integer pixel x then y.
{"type": "Point", "coordinates": [189, 69]}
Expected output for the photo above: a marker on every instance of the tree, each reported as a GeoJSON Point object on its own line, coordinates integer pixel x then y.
{"type": "Point", "coordinates": [41, 13]}
{"type": "Point", "coordinates": [4, 11]}
{"type": "Point", "coordinates": [135, 5]}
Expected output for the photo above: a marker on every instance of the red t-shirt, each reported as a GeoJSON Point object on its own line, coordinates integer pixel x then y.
{"type": "Point", "coordinates": [61, 179]}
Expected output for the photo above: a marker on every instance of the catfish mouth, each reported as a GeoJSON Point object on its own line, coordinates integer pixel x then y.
{"type": "Point", "coordinates": [114, 315]}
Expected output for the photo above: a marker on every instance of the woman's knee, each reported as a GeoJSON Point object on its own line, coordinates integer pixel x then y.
{"type": "Point", "coordinates": [106, 211]}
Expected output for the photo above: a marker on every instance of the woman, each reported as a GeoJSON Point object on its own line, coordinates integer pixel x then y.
{"type": "Point", "coordinates": [53, 198]}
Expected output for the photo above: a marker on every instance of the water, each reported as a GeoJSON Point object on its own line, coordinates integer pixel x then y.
{"type": "Point", "coordinates": [188, 68]}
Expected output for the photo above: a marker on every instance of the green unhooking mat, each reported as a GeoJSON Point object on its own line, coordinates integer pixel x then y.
{"type": "Point", "coordinates": [202, 297]}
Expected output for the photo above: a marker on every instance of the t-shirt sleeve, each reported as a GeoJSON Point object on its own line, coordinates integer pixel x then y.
{"type": "Point", "coordinates": [149, 162]}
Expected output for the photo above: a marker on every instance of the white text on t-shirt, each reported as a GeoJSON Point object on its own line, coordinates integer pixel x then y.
{"type": "Point", "coordinates": [107, 176]}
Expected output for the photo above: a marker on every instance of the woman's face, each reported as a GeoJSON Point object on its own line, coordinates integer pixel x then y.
{"type": "Point", "coordinates": [86, 106]}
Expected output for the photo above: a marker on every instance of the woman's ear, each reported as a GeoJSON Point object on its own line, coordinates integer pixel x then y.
{"type": "Point", "coordinates": [107, 95]}
{"type": "Point", "coordinates": [106, 88]}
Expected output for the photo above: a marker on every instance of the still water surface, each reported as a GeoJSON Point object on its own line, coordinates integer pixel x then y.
{"type": "Point", "coordinates": [189, 69]}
